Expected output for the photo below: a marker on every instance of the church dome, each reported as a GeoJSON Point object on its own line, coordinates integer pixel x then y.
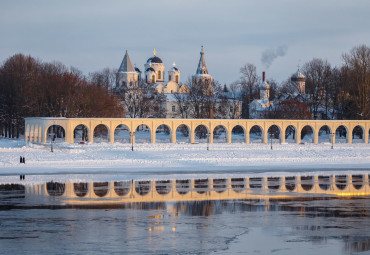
{"type": "Point", "coordinates": [298, 75]}
{"type": "Point", "coordinates": [154, 60]}
{"type": "Point", "coordinates": [150, 69]}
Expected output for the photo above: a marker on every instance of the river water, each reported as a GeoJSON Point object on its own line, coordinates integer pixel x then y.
{"type": "Point", "coordinates": [308, 224]}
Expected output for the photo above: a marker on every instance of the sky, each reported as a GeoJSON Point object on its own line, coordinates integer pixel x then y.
{"type": "Point", "coordinates": [276, 36]}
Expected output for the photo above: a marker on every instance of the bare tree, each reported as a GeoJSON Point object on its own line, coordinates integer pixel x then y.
{"type": "Point", "coordinates": [357, 75]}
{"type": "Point", "coordinates": [249, 84]}
{"type": "Point", "coordinates": [318, 75]}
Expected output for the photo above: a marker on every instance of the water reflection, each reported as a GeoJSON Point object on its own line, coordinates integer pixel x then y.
{"type": "Point", "coordinates": [320, 213]}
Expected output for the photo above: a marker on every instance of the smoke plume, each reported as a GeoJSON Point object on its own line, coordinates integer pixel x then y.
{"type": "Point", "coordinates": [269, 55]}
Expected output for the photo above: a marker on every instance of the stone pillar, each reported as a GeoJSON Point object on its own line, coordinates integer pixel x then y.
{"type": "Point", "coordinates": [91, 135]}
{"type": "Point", "coordinates": [192, 136]}
{"type": "Point", "coordinates": [210, 137]}
{"type": "Point", "coordinates": [247, 136]}
{"type": "Point", "coordinates": [366, 136]}
{"type": "Point", "coordinates": [282, 136]}
{"type": "Point", "coordinates": [152, 136]}
{"type": "Point", "coordinates": [265, 136]}
{"type": "Point", "coordinates": [173, 136]}
{"type": "Point", "coordinates": [349, 136]}
{"type": "Point", "coordinates": [332, 138]}
{"type": "Point", "coordinates": [39, 135]}
{"type": "Point", "coordinates": [69, 134]}
{"type": "Point", "coordinates": [316, 137]}
{"type": "Point", "coordinates": [43, 134]}
{"type": "Point", "coordinates": [228, 138]}
{"type": "Point", "coordinates": [298, 136]}
{"type": "Point", "coordinates": [111, 136]}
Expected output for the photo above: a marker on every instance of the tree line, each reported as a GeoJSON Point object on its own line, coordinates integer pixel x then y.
{"type": "Point", "coordinates": [32, 88]}
{"type": "Point", "coordinates": [341, 92]}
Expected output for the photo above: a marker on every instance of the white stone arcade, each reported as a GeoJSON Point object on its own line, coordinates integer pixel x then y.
{"type": "Point", "coordinates": [36, 128]}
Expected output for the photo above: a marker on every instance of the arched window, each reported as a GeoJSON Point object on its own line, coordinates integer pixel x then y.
{"type": "Point", "coordinates": [153, 79]}
{"type": "Point", "coordinates": [159, 75]}
{"type": "Point", "coordinates": [177, 79]}
{"type": "Point", "coordinates": [173, 108]}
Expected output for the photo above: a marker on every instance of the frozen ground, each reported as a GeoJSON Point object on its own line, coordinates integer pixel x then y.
{"type": "Point", "coordinates": [181, 158]}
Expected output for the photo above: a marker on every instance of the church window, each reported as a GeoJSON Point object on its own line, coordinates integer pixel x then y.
{"type": "Point", "coordinates": [153, 78]}
{"type": "Point", "coordinates": [173, 108]}
{"type": "Point", "coordinates": [177, 79]}
{"type": "Point", "coordinates": [169, 77]}
{"type": "Point", "coordinates": [159, 75]}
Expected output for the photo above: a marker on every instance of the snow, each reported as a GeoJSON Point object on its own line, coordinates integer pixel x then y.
{"type": "Point", "coordinates": [117, 161]}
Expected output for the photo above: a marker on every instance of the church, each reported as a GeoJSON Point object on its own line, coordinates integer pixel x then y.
{"type": "Point", "coordinates": [129, 78]}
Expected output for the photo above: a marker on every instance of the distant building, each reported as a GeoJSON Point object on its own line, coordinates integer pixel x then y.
{"type": "Point", "coordinates": [258, 107]}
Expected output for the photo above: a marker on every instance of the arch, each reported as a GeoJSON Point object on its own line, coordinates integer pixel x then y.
{"type": "Point", "coordinates": [341, 181]}
{"type": "Point", "coordinates": [238, 134]}
{"type": "Point", "coordinates": [182, 133]}
{"type": "Point", "coordinates": [256, 134]}
{"type": "Point", "coordinates": [307, 182]}
{"type": "Point", "coordinates": [273, 183]}
{"type": "Point", "coordinates": [358, 133]}
{"type": "Point", "coordinates": [324, 182]}
{"type": "Point", "coordinates": [142, 187]}
{"type": "Point", "coordinates": [122, 188]}
{"type": "Point", "coordinates": [101, 133]}
{"type": "Point", "coordinates": [307, 134]}
{"type": "Point", "coordinates": [100, 188]}
{"type": "Point", "coordinates": [81, 189]}
{"type": "Point", "coordinates": [143, 134]}
{"type": "Point", "coordinates": [81, 134]}
{"type": "Point", "coordinates": [290, 134]}
{"type": "Point", "coordinates": [219, 185]}
{"type": "Point", "coordinates": [274, 133]}
{"type": "Point", "coordinates": [255, 182]}
{"type": "Point", "coordinates": [163, 187]}
{"type": "Point", "coordinates": [220, 134]}
{"type": "Point", "coordinates": [324, 134]}
{"type": "Point", "coordinates": [290, 183]}
{"type": "Point", "coordinates": [358, 181]}
{"type": "Point", "coordinates": [200, 133]}
{"type": "Point", "coordinates": [237, 184]}
{"type": "Point", "coordinates": [341, 134]}
{"type": "Point", "coordinates": [182, 186]}
{"type": "Point", "coordinates": [122, 134]}
{"type": "Point", "coordinates": [55, 133]}
{"type": "Point", "coordinates": [55, 188]}
{"type": "Point", "coordinates": [163, 134]}
{"type": "Point", "coordinates": [201, 185]}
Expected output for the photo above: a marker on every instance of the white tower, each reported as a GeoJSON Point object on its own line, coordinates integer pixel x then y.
{"type": "Point", "coordinates": [264, 89]}
{"type": "Point", "coordinates": [154, 64]}
{"type": "Point", "coordinates": [202, 77]}
{"type": "Point", "coordinates": [300, 81]}
{"type": "Point", "coordinates": [174, 74]}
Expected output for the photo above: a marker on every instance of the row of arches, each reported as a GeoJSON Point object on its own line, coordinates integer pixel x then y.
{"type": "Point", "coordinates": [220, 134]}
{"type": "Point", "coordinates": [219, 185]}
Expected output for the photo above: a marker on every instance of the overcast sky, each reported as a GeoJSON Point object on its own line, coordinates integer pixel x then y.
{"type": "Point", "coordinates": [92, 35]}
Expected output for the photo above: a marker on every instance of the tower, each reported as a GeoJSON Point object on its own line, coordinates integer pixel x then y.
{"type": "Point", "coordinates": [264, 89]}
{"type": "Point", "coordinates": [300, 81]}
{"type": "Point", "coordinates": [127, 76]}
{"type": "Point", "coordinates": [174, 74]}
{"type": "Point", "coordinates": [154, 68]}
{"type": "Point", "coordinates": [201, 77]}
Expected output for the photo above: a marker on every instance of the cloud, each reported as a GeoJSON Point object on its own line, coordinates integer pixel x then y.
{"type": "Point", "coordinates": [269, 55]}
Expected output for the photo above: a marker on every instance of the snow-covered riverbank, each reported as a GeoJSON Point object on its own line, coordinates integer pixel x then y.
{"type": "Point", "coordinates": [173, 158]}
